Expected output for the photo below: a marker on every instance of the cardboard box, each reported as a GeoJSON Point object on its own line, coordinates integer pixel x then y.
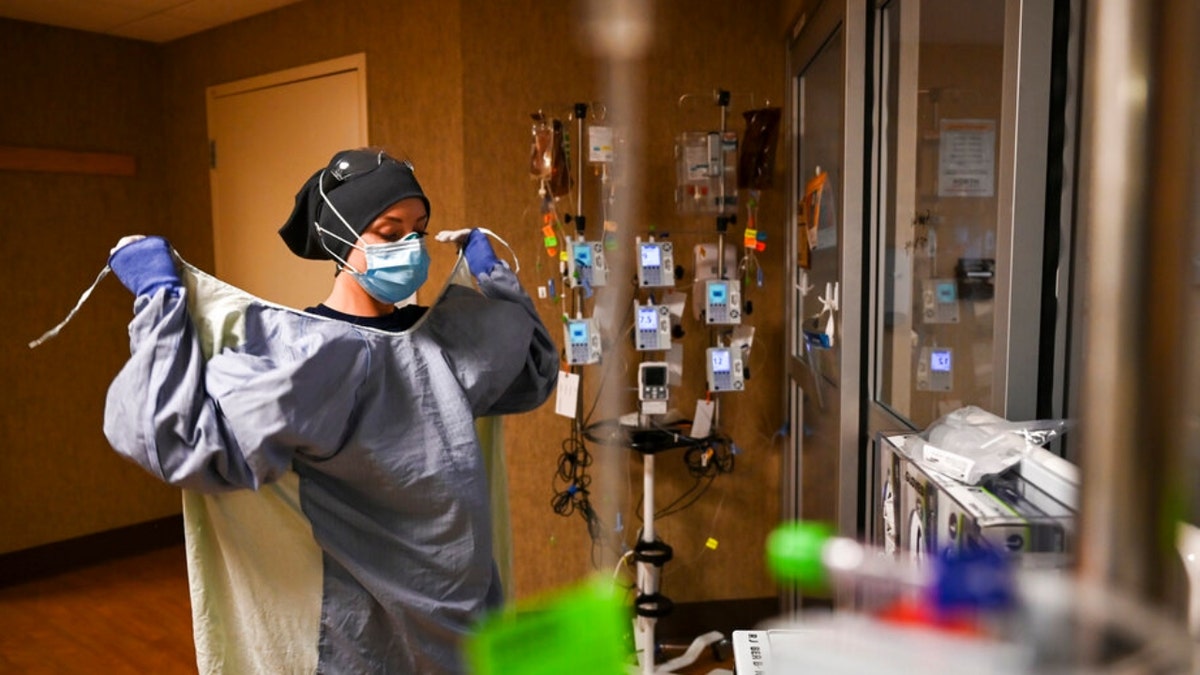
{"type": "Point", "coordinates": [922, 512]}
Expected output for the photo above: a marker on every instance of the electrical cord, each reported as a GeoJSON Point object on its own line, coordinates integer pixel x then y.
{"type": "Point", "coordinates": [713, 458]}
{"type": "Point", "coordinates": [571, 482]}
{"type": "Point", "coordinates": [651, 440]}
{"type": "Point", "coordinates": [627, 321]}
{"type": "Point", "coordinates": [692, 494]}
{"type": "Point", "coordinates": [704, 458]}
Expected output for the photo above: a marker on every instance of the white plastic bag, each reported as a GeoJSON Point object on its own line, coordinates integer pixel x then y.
{"type": "Point", "coordinates": [971, 444]}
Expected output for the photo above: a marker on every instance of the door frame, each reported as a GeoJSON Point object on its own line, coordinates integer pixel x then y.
{"type": "Point", "coordinates": [225, 236]}
{"type": "Point", "coordinates": [1021, 184]}
{"type": "Point", "coordinates": [809, 35]}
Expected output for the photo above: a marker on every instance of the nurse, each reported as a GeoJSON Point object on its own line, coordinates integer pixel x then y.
{"type": "Point", "coordinates": [366, 408]}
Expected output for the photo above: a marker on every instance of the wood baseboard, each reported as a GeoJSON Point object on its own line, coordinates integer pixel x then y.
{"type": "Point", "coordinates": [63, 556]}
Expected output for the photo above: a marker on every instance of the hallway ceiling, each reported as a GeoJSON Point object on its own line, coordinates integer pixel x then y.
{"type": "Point", "coordinates": [149, 20]}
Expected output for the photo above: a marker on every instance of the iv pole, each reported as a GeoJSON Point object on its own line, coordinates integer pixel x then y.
{"type": "Point", "coordinates": [650, 554]}
{"type": "Point", "coordinates": [650, 604]}
{"type": "Point", "coordinates": [576, 293]}
{"type": "Point", "coordinates": [723, 221]}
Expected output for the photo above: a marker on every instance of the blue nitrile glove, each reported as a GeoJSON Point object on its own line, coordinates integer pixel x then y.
{"type": "Point", "coordinates": [479, 254]}
{"type": "Point", "coordinates": [145, 266]}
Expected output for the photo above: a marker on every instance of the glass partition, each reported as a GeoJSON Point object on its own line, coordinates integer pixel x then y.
{"type": "Point", "coordinates": [941, 126]}
{"type": "Point", "coordinates": [820, 90]}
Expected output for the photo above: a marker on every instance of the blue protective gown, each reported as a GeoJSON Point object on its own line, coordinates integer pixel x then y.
{"type": "Point", "coordinates": [373, 432]}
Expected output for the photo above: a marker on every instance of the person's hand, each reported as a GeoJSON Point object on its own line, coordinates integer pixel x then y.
{"type": "Point", "coordinates": [476, 249]}
{"type": "Point", "coordinates": [144, 264]}
{"type": "Point", "coordinates": [479, 254]}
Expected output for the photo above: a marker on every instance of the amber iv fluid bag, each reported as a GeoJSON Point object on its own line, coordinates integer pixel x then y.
{"type": "Point", "coordinates": [548, 160]}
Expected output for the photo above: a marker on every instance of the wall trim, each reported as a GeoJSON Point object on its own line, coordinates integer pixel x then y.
{"type": "Point", "coordinates": [72, 554]}
{"type": "Point", "coordinates": [13, 158]}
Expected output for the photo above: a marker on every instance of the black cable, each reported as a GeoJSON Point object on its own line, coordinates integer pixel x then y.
{"type": "Point", "coordinates": [671, 509]}
{"type": "Point", "coordinates": [595, 401]}
{"type": "Point", "coordinates": [571, 494]}
{"type": "Point", "coordinates": [570, 484]}
{"type": "Point", "coordinates": [704, 458]}
{"type": "Point", "coordinates": [647, 441]}
{"type": "Point", "coordinates": [600, 389]}
{"type": "Point", "coordinates": [711, 459]}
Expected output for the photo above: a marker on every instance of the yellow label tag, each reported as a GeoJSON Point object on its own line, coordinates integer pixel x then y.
{"type": "Point", "coordinates": [711, 543]}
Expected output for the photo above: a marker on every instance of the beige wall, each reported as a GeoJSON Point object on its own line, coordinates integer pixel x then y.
{"type": "Point", "coordinates": [514, 68]}
{"type": "Point", "coordinates": [414, 75]}
{"type": "Point", "coordinates": [792, 12]}
{"type": "Point", "coordinates": [71, 91]}
{"type": "Point", "coordinates": [451, 85]}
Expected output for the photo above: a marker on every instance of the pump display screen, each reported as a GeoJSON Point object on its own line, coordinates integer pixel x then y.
{"type": "Point", "coordinates": [718, 294]}
{"type": "Point", "coordinates": [654, 377]}
{"type": "Point", "coordinates": [720, 361]}
{"type": "Point", "coordinates": [647, 318]}
{"type": "Point", "coordinates": [651, 256]}
{"type": "Point", "coordinates": [939, 360]}
{"type": "Point", "coordinates": [578, 332]}
{"type": "Point", "coordinates": [583, 254]}
{"type": "Point", "coordinates": [947, 291]}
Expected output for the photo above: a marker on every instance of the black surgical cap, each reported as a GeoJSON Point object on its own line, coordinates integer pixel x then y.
{"type": "Point", "coordinates": [360, 198]}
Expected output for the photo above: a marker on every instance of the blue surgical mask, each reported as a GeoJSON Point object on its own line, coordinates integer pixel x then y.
{"type": "Point", "coordinates": [394, 270]}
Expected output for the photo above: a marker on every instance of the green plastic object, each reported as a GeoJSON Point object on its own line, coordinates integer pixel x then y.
{"type": "Point", "coordinates": [584, 630]}
{"type": "Point", "coordinates": [794, 554]}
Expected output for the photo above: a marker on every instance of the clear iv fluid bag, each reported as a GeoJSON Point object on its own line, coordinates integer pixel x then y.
{"type": "Point", "coordinates": [706, 172]}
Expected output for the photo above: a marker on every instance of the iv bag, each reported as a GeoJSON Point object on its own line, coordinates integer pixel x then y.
{"type": "Point", "coordinates": [548, 158]}
{"type": "Point", "coordinates": [541, 159]}
{"type": "Point", "coordinates": [560, 172]}
{"type": "Point", "coordinates": [756, 164]}
{"type": "Point", "coordinates": [706, 172]}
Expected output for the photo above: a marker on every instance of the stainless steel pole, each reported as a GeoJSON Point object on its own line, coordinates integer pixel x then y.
{"type": "Point", "coordinates": [1138, 204]}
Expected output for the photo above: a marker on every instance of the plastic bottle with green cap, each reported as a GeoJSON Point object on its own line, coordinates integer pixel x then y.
{"type": "Point", "coordinates": [950, 583]}
{"type": "Point", "coordinates": [810, 555]}
{"type": "Point", "coordinates": [794, 554]}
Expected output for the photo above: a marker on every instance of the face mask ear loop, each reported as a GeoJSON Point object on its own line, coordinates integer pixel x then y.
{"type": "Point", "coordinates": [342, 264]}
{"type": "Point", "coordinates": [322, 231]}
{"type": "Point", "coordinates": [321, 188]}
{"type": "Point", "coordinates": [53, 332]}
{"type": "Point", "coordinates": [493, 235]}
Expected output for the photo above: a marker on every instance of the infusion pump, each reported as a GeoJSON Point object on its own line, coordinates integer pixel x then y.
{"type": "Point", "coordinates": [653, 329]}
{"type": "Point", "coordinates": [590, 262]}
{"type": "Point", "coordinates": [722, 301]}
{"type": "Point", "coordinates": [656, 264]}
{"type": "Point", "coordinates": [724, 369]}
{"type": "Point", "coordinates": [935, 369]}
{"type": "Point", "coordinates": [582, 339]}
